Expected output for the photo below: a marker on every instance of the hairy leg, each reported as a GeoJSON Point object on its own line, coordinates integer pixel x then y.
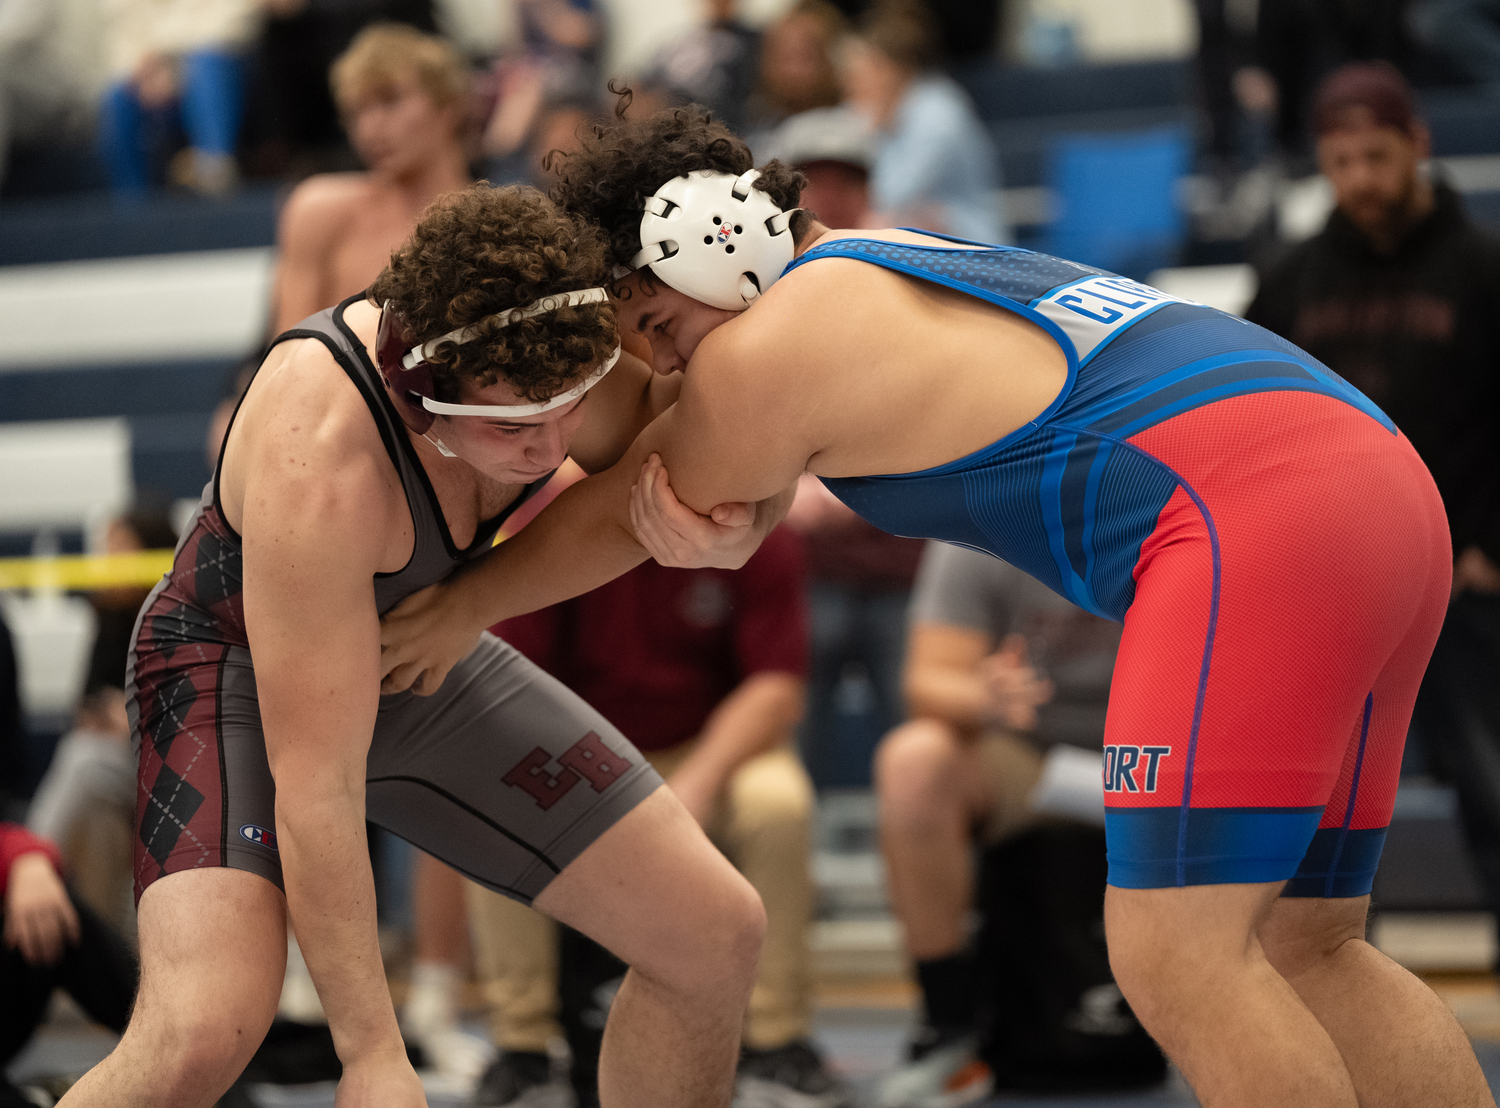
{"type": "Point", "coordinates": [213, 952]}
{"type": "Point", "coordinates": [656, 893]}
{"type": "Point", "coordinates": [1191, 965]}
{"type": "Point", "coordinates": [933, 790]}
{"type": "Point", "coordinates": [1401, 1044]}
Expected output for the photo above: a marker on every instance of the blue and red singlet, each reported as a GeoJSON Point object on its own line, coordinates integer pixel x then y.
{"type": "Point", "coordinates": [1276, 549]}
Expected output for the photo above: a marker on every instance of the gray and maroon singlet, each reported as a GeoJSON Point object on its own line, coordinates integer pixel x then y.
{"type": "Point", "coordinates": [503, 773]}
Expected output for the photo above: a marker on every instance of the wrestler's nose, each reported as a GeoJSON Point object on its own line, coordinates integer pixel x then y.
{"type": "Point", "coordinates": [549, 446]}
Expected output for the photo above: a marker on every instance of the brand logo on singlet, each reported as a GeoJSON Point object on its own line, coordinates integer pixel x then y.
{"type": "Point", "coordinates": [1132, 769]}
{"type": "Point", "coordinates": [548, 782]}
{"type": "Point", "coordinates": [1096, 309]}
{"type": "Point", "coordinates": [260, 836]}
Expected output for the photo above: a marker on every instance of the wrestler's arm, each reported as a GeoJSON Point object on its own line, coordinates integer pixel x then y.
{"type": "Point", "coordinates": [312, 545]}
{"type": "Point", "coordinates": [618, 409]}
{"type": "Point", "coordinates": [311, 223]}
{"type": "Point", "coordinates": [735, 449]}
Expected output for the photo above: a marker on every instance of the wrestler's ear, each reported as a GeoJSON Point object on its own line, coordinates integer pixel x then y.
{"type": "Point", "coordinates": [392, 344]}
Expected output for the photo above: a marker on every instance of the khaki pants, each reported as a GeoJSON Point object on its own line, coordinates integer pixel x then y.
{"type": "Point", "coordinates": [763, 824]}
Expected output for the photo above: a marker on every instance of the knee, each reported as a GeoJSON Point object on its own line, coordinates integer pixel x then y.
{"type": "Point", "coordinates": [713, 946]}
{"type": "Point", "coordinates": [912, 765]}
{"type": "Point", "coordinates": [195, 1054]}
{"type": "Point", "coordinates": [1302, 934]}
{"type": "Point", "coordinates": [773, 799]}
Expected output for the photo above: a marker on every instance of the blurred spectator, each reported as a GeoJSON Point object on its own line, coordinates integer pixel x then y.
{"type": "Point", "coordinates": [1397, 294]}
{"type": "Point", "coordinates": [717, 64]}
{"type": "Point", "coordinates": [86, 801]}
{"type": "Point", "coordinates": [404, 98]}
{"type": "Point", "coordinates": [797, 73]}
{"type": "Point", "coordinates": [560, 40]}
{"type": "Point", "coordinates": [13, 771]}
{"type": "Point", "coordinates": [555, 131]}
{"type": "Point", "coordinates": [1467, 31]}
{"type": "Point", "coordinates": [859, 581]}
{"type": "Point", "coordinates": [51, 942]}
{"type": "Point", "coordinates": [1300, 42]}
{"type": "Point", "coordinates": [702, 670]}
{"type": "Point", "coordinates": [46, 91]}
{"type": "Point", "coordinates": [1226, 45]}
{"type": "Point", "coordinates": [999, 669]}
{"type": "Point", "coordinates": [171, 63]}
{"type": "Point", "coordinates": [292, 122]}
{"type": "Point", "coordinates": [833, 147]}
{"type": "Point", "coordinates": [936, 166]}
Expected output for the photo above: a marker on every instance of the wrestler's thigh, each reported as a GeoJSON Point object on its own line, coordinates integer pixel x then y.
{"type": "Point", "coordinates": [657, 893]}
{"type": "Point", "coordinates": [213, 954]}
{"type": "Point", "coordinates": [504, 773]}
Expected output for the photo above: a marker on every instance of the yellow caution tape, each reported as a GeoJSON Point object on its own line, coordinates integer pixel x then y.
{"type": "Point", "coordinates": [85, 571]}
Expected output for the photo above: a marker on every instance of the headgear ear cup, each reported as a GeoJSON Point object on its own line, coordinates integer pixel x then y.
{"type": "Point", "coordinates": [391, 344]}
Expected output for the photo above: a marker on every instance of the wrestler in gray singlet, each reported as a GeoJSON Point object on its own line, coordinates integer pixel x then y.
{"type": "Point", "coordinates": [503, 773]}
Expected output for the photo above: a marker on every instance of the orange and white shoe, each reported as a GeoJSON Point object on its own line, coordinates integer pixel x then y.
{"type": "Point", "coordinates": [946, 1075]}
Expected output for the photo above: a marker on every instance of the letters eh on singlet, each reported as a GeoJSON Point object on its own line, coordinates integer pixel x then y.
{"type": "Point", "coordinates": [1096, 309]}
{"type": "Point", "coordinates": [586, 760]}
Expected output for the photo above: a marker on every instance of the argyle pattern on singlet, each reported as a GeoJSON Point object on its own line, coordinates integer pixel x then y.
{"type": "Point", "coordinates": [184, 638]}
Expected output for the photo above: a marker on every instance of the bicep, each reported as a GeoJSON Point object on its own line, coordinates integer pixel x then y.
{"type": "Point", "coordinates": [618, 409]}
{"type": "Point", "coordinates": [314, 635]}
{"type": "Point", "coordinates": [722, 444]}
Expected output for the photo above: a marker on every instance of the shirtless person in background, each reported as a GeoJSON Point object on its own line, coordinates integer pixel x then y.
{"type": "Point", "coordinates": [404, 98]}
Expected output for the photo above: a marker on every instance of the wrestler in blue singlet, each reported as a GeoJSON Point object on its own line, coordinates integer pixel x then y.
{"type": "Point", "coordinates": [1275, 548]}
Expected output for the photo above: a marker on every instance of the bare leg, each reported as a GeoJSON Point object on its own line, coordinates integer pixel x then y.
{"type": "Point", "coordinates": [213, 952]}
{"type": "Point", "coordinates": [655, 892]}
{"type": "Point", "coordinates": [1401, 1044]}
{"type": "Point", "coordinates": [933, 790]}
{"type": "Point", "coordinates": [1191, 965]}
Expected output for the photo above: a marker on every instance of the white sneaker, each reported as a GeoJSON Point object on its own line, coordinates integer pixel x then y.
{"type": "Point", "coordinates": [946, 1076]}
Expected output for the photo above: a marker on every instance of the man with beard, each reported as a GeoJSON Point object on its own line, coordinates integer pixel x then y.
{"type": "Point", "coordinates": [1398, 294]}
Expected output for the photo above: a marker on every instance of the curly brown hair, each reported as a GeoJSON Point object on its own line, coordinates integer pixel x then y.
{"type": "Point", "coordinates": [621, 164]}
{"type": "Point", "coordinates": [481, 251]}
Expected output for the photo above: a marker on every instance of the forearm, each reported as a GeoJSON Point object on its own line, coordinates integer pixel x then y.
{"type": "Point", "coordinates": [955, 697]}
{"type": "Point", "coordinates": [577, 543]}
{"type": "Point", "coordinates": [756, 717]}
{"type": "Point", "coordinates": [331, 898]}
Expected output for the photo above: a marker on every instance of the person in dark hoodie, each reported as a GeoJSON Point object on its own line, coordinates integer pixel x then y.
{"type": "Point", "coordinates": [1398, 294]}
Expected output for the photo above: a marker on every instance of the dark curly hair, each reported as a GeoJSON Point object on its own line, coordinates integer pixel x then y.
{"type": "Point", "coordinates": [480, 251]}
{"type": "Point", "coordinates": [621, 164]}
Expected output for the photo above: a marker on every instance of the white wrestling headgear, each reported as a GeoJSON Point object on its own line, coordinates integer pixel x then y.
{"type": "Point", "coordinates": [715, 237]}
{"type": "Point", "coordinates": [410, 377]}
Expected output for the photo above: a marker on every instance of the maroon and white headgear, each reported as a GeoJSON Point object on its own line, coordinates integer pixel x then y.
{"type": "Point", "coordinates": [406, 368]}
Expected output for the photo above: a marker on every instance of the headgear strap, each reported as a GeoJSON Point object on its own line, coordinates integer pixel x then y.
{"type": "Point", "coordinates": [549, 303]}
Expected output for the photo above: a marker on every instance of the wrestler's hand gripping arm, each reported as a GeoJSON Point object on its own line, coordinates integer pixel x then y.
{"type": "Point", "coordinates": [311, 549]}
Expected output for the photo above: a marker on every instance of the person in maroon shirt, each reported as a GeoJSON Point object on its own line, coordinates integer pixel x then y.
{"type": "Point", "coordinates": [50, 941]}
{"type": "Point", "coordinates": [705, 671]}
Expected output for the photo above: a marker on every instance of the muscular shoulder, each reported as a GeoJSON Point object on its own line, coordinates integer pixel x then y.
{"type": "Point", "coordinates": [321, 208]}
{"type": "Point", "coordinates": [305, 440]}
